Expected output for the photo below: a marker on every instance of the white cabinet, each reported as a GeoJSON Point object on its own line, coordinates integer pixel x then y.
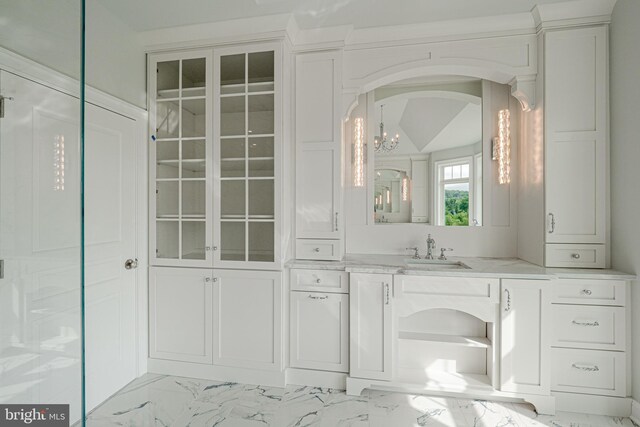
{"type": "Point", "coordinates": [247, 153]}
{"type": "Point", "coordinates": [590, 337]}
{"type": "Point", "coordinates": [180, 314]}
{"type": "Point", "coordinates": [524, 344]}
{"type": "Point", "coordinates": [215, 153]}
{"type": "Point", "coordinates": [227, 318]}
{"type": "Point", "coordinates": [318, 152]}
{"type": "Point", "coordinates": [320, 331]}
{"type": "Point", "coordinates": [370, 309]}
{"type": "Point", "coordinates": [247, 319]}
{"type": "Point", "coordinates": [576, 146]}
{"type": "Point", "coordinates": [180, 172]}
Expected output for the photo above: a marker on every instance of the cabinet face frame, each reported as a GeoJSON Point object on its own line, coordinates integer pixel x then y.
{"type": "Point", "coordinates": [153, 61]}
{"type": "Point", "coordinates": [277, 141]}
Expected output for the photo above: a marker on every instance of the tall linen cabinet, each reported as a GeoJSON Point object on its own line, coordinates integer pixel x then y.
{"type": "Point", "coordinates": [216, 212]}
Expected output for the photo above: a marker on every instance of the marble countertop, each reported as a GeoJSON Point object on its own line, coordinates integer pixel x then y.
{"type": "Point", "coordinates": [506, 268]}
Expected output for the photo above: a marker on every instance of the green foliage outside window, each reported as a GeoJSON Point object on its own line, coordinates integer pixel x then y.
{"type": "Point", "coordinates": [456, 207]}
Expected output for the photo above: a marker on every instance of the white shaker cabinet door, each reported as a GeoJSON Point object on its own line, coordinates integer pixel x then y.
{"type": "Point", "coordinates": [180, 314]}
{"type": "Point", "coordinates": [318, 191]}
{"type": "Point", "coordinates": [248, 319]}
{"type": "Point", "coordinates": [320, 331]}
{"type": "Point", "coordinates": [576, 134]}
{"type": "Point", "coordinates": [371, 326]}
{"type": "Point", "coordinates": [318, 134]}
{"type": "Point", "coordinates": [524, 342]}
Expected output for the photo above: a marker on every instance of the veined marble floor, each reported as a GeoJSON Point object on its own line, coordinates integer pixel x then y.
{"type": "Point", "coordinates": [163, 401]}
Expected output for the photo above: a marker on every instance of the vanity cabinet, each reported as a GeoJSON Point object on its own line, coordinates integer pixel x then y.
{"type": "Point", "coordinates": [228, 318]}
{"type": "Point", "coordinates": [576, 165]}
{"type": "Point", "coordinates": [318, 133]}
{"type": "Point", "coordinates": [524, 336]}
{"type": "Point", "coordinates": [589, 339]}
{"type": "Point", "coordinates": [371, 336]}
{"type": "Point", "coordinates": [215, 157]}
{"type": "Point", "coordinates": [319, 320]}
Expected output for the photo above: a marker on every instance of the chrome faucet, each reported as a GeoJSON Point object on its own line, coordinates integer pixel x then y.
{"type": "Point", "coordinates": [431, 245]}
{"type": "Point", "coordinates": [416, 254]}
{"type": "Point", "coordinates": [442, 257]}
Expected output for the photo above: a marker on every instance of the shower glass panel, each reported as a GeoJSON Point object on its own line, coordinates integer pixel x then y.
{"type": "Point", "coordinates": [41, 139]}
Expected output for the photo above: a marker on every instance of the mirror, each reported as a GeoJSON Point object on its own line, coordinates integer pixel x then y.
{"type": "Point", "coordinates": [428, 151]}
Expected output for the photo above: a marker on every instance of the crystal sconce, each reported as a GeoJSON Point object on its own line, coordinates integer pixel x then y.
{"type": "Point", "coordinates": [502, 147]}
{"type": "Point", "coordinates": [358, 152]}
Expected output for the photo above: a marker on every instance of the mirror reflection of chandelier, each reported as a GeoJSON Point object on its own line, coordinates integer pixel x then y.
{"type": "Point", "coordinates": [382, 143]}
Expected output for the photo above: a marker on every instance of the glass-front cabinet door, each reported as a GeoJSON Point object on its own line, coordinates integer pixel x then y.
{"type": "Point", "coordinates": [246, 156]}
{"type": "Point", "coordinates": [180, 100]}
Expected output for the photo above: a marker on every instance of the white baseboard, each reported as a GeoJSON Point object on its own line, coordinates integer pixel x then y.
{"type": "Point", "coordinates": [217, 373]}
{"type": "Point", "coordinates": [308, 377]}
{"type": "Point", "coordinates": [592, 404]}
{"type": "Point", "coordinates": [635, 412]}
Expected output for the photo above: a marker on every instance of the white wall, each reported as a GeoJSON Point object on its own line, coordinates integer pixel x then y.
{"type": "Point", "coordinates": [48, 32]}
{"type": "Point", "coordinates": [625, 155]}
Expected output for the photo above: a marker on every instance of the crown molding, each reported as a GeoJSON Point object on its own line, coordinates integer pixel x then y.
{"type": "Point", "coordinates": [261, 28]}
{"type": "Point", "coordinates": [572, 13]}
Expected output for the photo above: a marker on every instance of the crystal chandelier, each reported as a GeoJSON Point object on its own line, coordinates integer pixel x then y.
{"type": "Point", "coordinates": [382, 144]}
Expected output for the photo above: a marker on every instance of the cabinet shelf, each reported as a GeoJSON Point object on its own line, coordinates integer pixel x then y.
{"type": "Point", "coordinates": [479, 342]}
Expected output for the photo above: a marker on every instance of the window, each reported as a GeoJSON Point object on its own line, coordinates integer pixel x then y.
{"type": "Point", "coordinates": [455, 191]}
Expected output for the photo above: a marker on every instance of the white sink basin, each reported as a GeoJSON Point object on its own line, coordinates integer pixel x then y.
{"type": "Point", "coordinates": [435, 264]}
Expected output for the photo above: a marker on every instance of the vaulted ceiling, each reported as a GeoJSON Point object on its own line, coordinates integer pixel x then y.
{"type": "Point", "coordinates": [144, 15]}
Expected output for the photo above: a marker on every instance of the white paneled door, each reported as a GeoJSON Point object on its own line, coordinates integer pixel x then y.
{"type": "Point", "coordinates": [110, 252]}
{"type": "Point", "coordinates": [40, 244]}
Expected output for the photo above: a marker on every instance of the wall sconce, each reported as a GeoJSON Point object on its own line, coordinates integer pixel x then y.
{"type": "Point", "coordinates": [58, 163]}
{"type": "Point", "coordinates": [405, 189]}
{"type": "Point", "coordinates": [358, 152]}
{"type": "Point", "coordinates": [502, 147]}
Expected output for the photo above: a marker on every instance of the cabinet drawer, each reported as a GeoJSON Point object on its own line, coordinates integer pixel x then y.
{"type": "Point", "coordinates": [576, 256]}
{"type": "Point", "coordinates": [318, 249]}
{"type": "Point", "coordinates": [449, 286]}
{"type": "Point", "coordinates": [588, 371]}
{"type": "Point", "coordinates": [585, 326]}
{"type": "Point", "coordinates": [584, 291]}
{"type": "Point", "coordinates": [320, 281]}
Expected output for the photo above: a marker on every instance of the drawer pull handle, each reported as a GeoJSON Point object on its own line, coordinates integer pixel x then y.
{"type": "Point", "coordinates": [318, 280]}
{"type": "Point", "coordinates": [508, 306]}
{"type": "Point", "coordinates": [588, 368]}
{"type": "Point", "coordinates": [586, 291]}
{"type": "Point", "coordinates": [594, 323]}
{"type": "Point", "coordinates": [316, 249]}
{"type": "Point", "coordinates": [575, 256]}
{"type": "Point", "coordinates": [316, 297]}
{"type": "Point", "coordinates": [386, 294]}
{"type": "Point", "coordinates": [552, 222]}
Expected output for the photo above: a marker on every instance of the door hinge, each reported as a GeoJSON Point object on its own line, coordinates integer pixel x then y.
{"type": "Point", "coordinates": [2, 99]}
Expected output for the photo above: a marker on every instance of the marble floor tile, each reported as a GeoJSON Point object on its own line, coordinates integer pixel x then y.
{"type": "Point", "coordinates": [165, 401]}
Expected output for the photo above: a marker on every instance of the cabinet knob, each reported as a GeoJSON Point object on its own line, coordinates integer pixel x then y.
{"type": "Point", "coordinates": [316, 249]}
{"type": "Point", "coordinates": [215, 248]}
{"type": "Point", "coordinates": [586, 291]}
{"type": "Point", "coordinates": [318, 280]}
{"type": "Point", "coordinates": [575, 256]}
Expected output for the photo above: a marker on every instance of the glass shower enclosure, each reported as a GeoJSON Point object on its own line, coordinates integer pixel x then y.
{"type": "Point", "coordinates": [41, 184]}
